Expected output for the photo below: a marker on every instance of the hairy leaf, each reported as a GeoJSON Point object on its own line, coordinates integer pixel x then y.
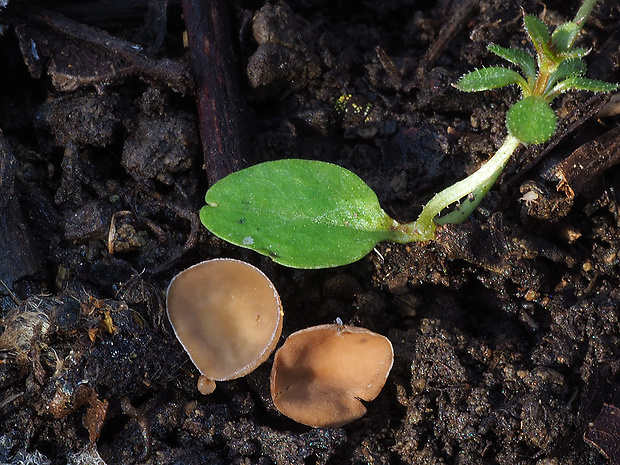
{"type": "Point", "coordinates": [490, 78]}
{"type": "Point", "coordinates": [538, 33]}
{"type": "Point", "coordinates": [517, 57]}
{"type": "Point", "coordinates": [577, 52]}
{"type": "Point", "coordinates": [301, 213]}
{"type": "Point", "coordinates": [531, 120]}
{"type": "Point", "coordinates": [569, 67]}
{"type": "Point", "coordinates": [581, 83]}
{"type": "Point", "coordinates": [564, 36]}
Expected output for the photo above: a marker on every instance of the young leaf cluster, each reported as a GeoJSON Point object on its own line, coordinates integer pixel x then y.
{"type": "Point", "coordinates": [556, 67]}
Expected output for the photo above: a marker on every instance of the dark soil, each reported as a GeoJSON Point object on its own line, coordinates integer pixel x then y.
{"type": "Point", "coordinates": [506, 329]}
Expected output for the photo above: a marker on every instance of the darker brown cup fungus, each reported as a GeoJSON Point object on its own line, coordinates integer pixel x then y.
{"type": "Point", "coordinates": [320, 374]}
{"type": "Point", "coordinates": [228, 317]}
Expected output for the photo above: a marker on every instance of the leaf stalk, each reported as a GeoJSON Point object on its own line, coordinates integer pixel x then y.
{"type": "Point", "coordinates": [470, 191]}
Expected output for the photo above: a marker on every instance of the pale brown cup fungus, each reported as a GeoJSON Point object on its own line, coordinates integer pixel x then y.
{"type": "Point", "coordinates": [227, 315]}
{"type": "Point", "coordinates": [321, 374]}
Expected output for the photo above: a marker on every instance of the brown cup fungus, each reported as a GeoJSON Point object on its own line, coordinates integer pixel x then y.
{"type": "Point", "coordinates": [321, 373]}
{"type": "Point", "coordinates": [228, 317]}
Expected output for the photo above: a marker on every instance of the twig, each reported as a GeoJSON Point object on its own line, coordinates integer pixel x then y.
{"type": "Point", "coordinates": [446, 35]}
{"type": "Point", "coordinates": [220, 105]}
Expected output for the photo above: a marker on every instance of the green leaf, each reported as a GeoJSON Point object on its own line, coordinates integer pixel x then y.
{"type": "Point", "coordinates": [490, 78]}
{"type": "Point", "coordinates": [301, 213]}
{"type": "Point", "coordinates": [531, 120]}
{"type": "Point", "coordinates": [564, 36]}
{"type": "Point", "coordinates": [517, 57]}
{"type": "Point", "coordinates": [578, 52]}
{"type": "Point", "coordinates": [538, 33]}
{"type": "Point", "coordinates": [570, 67]}
{"type": "Point", "coordinates": [581, 83]}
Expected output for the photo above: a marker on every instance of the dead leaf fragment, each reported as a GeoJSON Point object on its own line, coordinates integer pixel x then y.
{"type": "Point", "coordinates": [95, 416]}
{"type": "Point", "coordinates": [604, 433]}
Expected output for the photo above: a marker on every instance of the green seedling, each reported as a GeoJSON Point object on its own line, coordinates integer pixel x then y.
{"type": "Point", "coordinates": [311, 214]}
{"type": "Point", "coordinates": [556, 68]}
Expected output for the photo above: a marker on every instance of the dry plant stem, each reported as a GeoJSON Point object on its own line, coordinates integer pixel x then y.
{"type": "Point", "coordinates": [222, 133]}
{"type": "Point", "coordinates": [477, 184]}
{"type": "Point", "coordinates": [449, 31]}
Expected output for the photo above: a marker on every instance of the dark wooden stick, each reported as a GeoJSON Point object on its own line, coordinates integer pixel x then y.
{"type": "Point", "coordinates": [448, 32]}
{"type": "Point", "coordinates": [220, 107]}
{"type": "Point", "coordinates": [584, 165]}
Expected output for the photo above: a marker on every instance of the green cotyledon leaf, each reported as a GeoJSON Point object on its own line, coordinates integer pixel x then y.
{"type": "Point", "coordinates": [301, 213]}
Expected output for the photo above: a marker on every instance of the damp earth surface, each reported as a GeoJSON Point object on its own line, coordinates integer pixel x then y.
{"type": "Point", "coordinates": [505, 329]}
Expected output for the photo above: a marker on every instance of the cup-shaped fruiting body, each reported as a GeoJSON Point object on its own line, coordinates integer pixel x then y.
{"type": "Point", "coordinates": [320, 374]}
{"type": "Point", "coordinates": [227, 315]}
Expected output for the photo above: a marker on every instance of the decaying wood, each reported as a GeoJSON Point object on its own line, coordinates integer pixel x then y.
{"type": "Point", "coordinates": [604, 433]}
{"type": "Point", "coordinates": [586, 163]}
